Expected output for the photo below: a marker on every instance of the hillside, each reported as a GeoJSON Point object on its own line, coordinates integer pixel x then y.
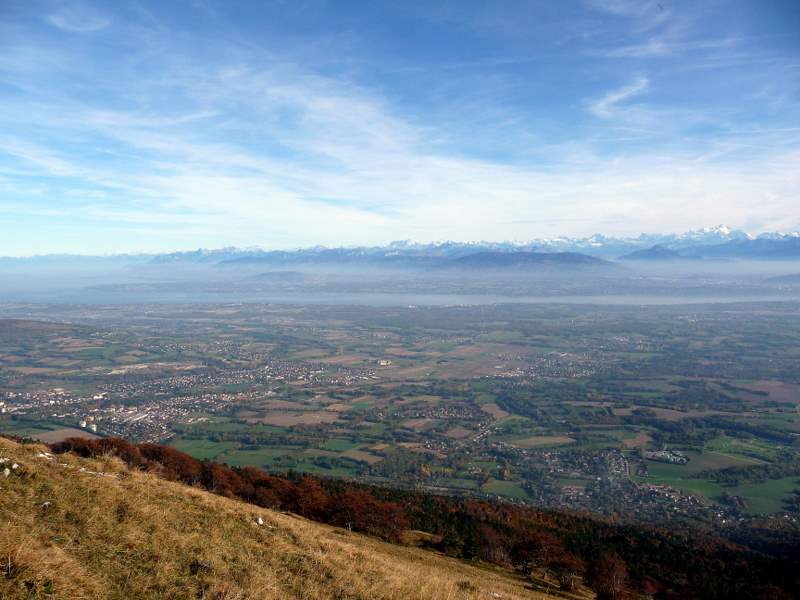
{"type": "Point", "coordinates": [176, 534]}
{"type": "Point", "coordinates": [92, 528]}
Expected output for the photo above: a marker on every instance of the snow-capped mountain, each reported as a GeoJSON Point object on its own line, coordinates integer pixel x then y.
{"type": "Point", "coordinates": [719, 241]}
{"type": "Point", "coordinates": [601, 245]}
{"type": "Point", "coordinates": [716, 241]}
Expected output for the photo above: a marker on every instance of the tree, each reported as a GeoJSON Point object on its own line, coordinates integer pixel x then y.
{"type": "Point", "coordinates": [609, 577]}
{"type": "Point", "coordinates": [536, 551]}
{"type": "Point", "coordinates": [568, 569]}
{"type": "Point", "coordinates": [311, 500]}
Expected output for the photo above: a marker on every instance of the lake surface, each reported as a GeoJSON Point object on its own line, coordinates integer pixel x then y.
{"type": "Point", "coordinates": [377, 299]}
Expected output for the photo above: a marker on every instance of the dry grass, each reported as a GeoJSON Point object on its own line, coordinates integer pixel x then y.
{"type": "Point", "coordinates": [293, 418]}
{"type": "Point", "coordinates": [458, 432]}
{"type": "Point", "coordinates": [640, 441]}
{"type": "Point", "coordinates": [126, 534]}
{"type": "Point", "coordinates": [495, 411]}
{"type": "Point", "coordinates": [363, 456]}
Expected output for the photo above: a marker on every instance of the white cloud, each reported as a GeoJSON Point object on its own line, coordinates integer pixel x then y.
{"type": "Point", "coordinates": [607, 106]}
{"type": "Point", "coordinates": [78, 19]}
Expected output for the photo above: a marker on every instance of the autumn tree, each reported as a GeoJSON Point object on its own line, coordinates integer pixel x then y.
{"type": "Point", "coordinates": [609, 577]}
{"type": "Point", "coordinates": [568, 570]}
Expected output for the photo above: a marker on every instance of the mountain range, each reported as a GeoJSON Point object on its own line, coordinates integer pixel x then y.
{"type": "Point", "coordinates": [708, 242]}
{"type": "Point", "coordinates": [716, 242]}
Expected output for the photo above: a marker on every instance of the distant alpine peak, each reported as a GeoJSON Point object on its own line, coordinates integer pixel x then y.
{"type": "Point", "coordinates": [720, 229]}
{"type": "Point", "coordinates": [772, 235]}
{"type": "Point", "coordinates": [718, 233]}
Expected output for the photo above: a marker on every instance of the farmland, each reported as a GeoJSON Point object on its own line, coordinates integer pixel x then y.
{"type": "Point", "coordinates": [552, 404]}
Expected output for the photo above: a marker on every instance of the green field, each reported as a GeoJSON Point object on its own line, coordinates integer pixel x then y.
{"type": "Point", "coordinates": [24, 428]}
{"type": "Point", "coordinates": [744, 447]}
{"type": "Point", "coordinates": [765, 497]}
{"type": "Point", "coordinates": [699, 461]}
{"type": "Point", "coordinates": [204, 449]}
{"type": "Point", "coordinates": [339, 445]}
{"type": "Point", "coordinates": [505, 488]}
{"type": "Point", "coordinates": [254, 458]}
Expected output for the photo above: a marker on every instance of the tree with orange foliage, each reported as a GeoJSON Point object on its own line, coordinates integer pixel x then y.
{"type": "Point", "coordinates": [609, 577]}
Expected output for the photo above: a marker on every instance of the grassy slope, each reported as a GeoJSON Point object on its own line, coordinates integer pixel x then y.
{"type": "Point", "coordinates": [126, 534]}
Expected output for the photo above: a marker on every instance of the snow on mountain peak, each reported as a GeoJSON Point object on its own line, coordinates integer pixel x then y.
{"type": "Point", "coordinates": [710, 235]}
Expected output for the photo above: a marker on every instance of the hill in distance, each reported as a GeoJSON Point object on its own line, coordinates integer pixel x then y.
{"type": "Point", "coordinates": [657, 252]}
{"type": "Point", "coordinates": [530, 261]}
{"type": "Point", "coordinates": [76, 528]}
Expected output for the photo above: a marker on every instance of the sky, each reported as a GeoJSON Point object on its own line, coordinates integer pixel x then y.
{"type": "Point", "coordinates": [159, 126]}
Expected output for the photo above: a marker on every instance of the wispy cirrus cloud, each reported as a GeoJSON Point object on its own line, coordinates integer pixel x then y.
{"type": "Point", "coordinates": [663, 47]}
{"type": "Point", "coordinates": [609, 105]}
{"type": "Point", "coordinates": [647, 14]}
{"type": "Point", "coordinates": [78, 18]}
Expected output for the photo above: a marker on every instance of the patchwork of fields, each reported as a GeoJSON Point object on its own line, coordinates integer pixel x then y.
{"type": "Point", "coordinates": [549, 404]}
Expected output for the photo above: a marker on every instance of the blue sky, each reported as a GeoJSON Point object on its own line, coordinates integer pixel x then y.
{"type": "Point", "coordinates": [153, 126]}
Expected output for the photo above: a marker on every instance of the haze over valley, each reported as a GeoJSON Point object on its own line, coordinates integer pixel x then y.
{"type": "Point", "coordinates": [716, 264]}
